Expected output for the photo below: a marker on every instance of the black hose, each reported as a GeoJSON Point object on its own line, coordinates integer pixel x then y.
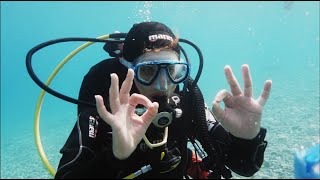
{"type": "Point", "coordinates": [116, 36]}
{"type": "Point", "coordinates": [199, 115]}
{"type": "Point", "coordinates": [40, 83]}
{"type": "Point", "coordinates": [196, 79]}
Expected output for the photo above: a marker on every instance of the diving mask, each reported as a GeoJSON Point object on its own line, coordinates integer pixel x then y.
{"type": "Point", "coordinates": [147, 72]}
{"type": "Point", "coordinates": [147, 67]}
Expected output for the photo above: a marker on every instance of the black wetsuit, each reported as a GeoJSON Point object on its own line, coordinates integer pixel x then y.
{"type": "Point", "coordinates": [88, 150]}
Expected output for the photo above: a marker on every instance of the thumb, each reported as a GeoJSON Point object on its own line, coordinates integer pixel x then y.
{"type": "Point", "coordinates": [218, 111]}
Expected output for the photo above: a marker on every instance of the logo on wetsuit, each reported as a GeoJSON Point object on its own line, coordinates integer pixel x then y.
{"type": "Point", "coordinates": [93, 127]}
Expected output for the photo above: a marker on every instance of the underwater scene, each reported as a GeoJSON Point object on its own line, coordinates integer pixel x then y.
{"type": "Point", "coordinates": [279, 41]}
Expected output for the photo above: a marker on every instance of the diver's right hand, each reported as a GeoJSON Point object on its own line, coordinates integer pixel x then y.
{"type": "Point", "coordinates": [127, 127]}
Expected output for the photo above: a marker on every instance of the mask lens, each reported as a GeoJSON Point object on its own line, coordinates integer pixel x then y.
{"type": "Point", "coordinates": [147, 73]}
{"type": "Point", "coordinates": [178, 72]}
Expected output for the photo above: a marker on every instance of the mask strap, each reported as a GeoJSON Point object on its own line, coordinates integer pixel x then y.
{"type": "Point", "coordinates": [125, 63]}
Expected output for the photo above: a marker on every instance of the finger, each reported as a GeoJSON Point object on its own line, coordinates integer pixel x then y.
{"type": "Point", "coordinates": [232, 81]}
{"type": "Point", "coordinates": [114, 93]}
{"type": "Point", "coordinates": [136, 99]}
{"type": "Point", "coordinates": [151, 113]}
{"type": "Point", "coordinates": [218, 111]}
{"type": "Point", "coordinates": [222, 95]}
{"type": "Point", "coordinates": [103, 112]}
{"type": "Point", "coordinates": [265, 93]}
{"type": "Point", "coordinates": [126, 87]}
{"type": "Point", "coordinates": [247, 80]}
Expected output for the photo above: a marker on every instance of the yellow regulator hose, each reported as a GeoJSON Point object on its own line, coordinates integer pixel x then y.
{"type": "Point", "coordinates": [39, 104]}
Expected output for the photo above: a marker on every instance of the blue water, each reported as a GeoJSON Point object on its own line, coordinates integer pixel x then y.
{"type": "Point", "coordinates": [279, 41]}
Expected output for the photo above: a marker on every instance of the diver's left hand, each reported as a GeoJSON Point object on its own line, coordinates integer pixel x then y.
{"type": "Point", "coordinates": [242, 113]}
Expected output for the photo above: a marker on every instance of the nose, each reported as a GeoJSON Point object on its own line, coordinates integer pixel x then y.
{"type": "Point", "coordinates": [162, 80]}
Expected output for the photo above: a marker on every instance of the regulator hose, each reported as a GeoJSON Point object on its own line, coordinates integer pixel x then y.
{"type": "Point", "coordinates": [199, 116]}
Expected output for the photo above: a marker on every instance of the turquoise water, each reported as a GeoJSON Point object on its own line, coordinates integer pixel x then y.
{"type": "Point", "coordinates": [279, 41]}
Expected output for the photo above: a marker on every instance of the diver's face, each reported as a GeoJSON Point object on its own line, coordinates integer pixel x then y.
{"type": "Point", "coordinates": [155, 77]}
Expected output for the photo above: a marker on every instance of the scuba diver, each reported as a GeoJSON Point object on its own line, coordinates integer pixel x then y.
{"type": "Point", "coordinates": [148, 109]}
